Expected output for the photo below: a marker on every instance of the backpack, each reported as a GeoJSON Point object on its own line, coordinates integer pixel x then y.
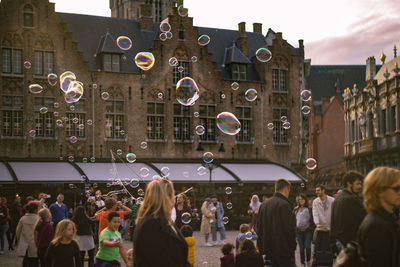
{"type": "Point", "coordinates": [350, 256]}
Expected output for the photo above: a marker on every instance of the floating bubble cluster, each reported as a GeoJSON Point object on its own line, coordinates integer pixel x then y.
{"type": "Point", "coordinates": [228, 123]}
{"type": "Point", "coordinates": [203, 40]}
{"type": "Point", "coordinates": [144, 60]}
{"type": "Point", "coordinates": [263, 54]}
{"type": "Point", "coordinates": [124, 42]}
{"type": "Point", "coordinates": [187, 91]}
{"type": "Point", "coordinates": [74, 92]}
{"type": "Point", "coordinates": [65, 79]}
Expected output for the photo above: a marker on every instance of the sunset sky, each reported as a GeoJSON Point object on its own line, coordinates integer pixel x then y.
{"type": "Point", "coordinates": [334, 32]}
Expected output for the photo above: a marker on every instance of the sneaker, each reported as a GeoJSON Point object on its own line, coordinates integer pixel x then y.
{"type": "Point", "coordinates": [208, 244]}
{"type": "Point", "coordinates": [222, 242]}
{"type": "Point", "coordinates": [216, 243]}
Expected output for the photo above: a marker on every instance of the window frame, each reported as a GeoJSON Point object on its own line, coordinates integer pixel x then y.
{"type": "Point", "coordinates": [12, 62]}
{"type": "Point", "coordinates": [278, 83]}
{"type": "Point", "coordinates": [206, 120]}
{"type": "Point", "coordinates": [280, 136]}
{"type": "Point", "coordinates": [44, 132]}
{"type": "Point", "coordinates": [114, 114]}
{"type": "Point", "coordinates": [176, 75]}
{"type": "Point", "coordinates": [111, 63]}
{"type": "Point", "coordinates": [183, 121]}
{"type": "Point", "coordinates": [13, 110]}
{"type": "Point", "coordinates": [73, 130]}
{"type": "Point", "coordinates": [240, 138]}
{"type": "Point", "coordinates": [154, 119]}
{"type": "Point", "coordinates": [28, 12]}
{"type": "Point", "coordinates": [239, 72]}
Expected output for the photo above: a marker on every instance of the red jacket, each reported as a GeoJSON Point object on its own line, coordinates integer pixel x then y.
{"type": "Point", "coordinates": [228, 261]}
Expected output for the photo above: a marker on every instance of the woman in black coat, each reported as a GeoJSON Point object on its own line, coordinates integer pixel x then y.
{"type": "Point", "coordinates": [379, 234]}
{"type": "Point", "coordinates": [157, 241]}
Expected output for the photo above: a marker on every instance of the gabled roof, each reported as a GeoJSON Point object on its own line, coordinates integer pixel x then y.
{"type": "Point", "coordinates": [235, 55]}
{"type": "Point", "coordinates": [108, 44]}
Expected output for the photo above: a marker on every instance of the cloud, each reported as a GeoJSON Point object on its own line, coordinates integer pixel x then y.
{"type": "Point", "coordinates": [367, 37]}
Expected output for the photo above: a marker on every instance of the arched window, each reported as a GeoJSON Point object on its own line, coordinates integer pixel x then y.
{"type": "Point", "coordinates": [28, 16]}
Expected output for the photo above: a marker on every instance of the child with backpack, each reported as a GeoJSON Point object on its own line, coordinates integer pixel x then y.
{"type": "Point", "coordinates": [187, 233]}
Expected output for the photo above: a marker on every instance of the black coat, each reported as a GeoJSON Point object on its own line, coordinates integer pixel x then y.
{"type": "Point", "coordinates": [246, 260]}
{"type": "Point", "coordinates": [276, 227]}
{"type": "Point", "coordinates": [347, 214]}
{"type": "Point", "coordinates": [156, 244]}
{"type": "Point", "coordinates": [379, 238]}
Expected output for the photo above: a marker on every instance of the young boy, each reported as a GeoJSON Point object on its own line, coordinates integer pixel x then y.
{"type": "Point", "coordinates": [245, 233]}
{"type": "Point", "coordinates": [187, 233]}
{"type": "Point", "coordinates": [110, 206]}
{"type": "Point", "coordinates": [228, 260]}
{"type": "Point", "coordinates": [110, 244]}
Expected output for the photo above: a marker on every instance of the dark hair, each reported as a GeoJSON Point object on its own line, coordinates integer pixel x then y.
{"type": "Point", "coordinates": [322, 187]}
{"type": "Point", "coordinates": [79, 216]}
{"type": "Point", "coordinates": [32, 207]}
{"type": "Point", "coordinates": [351, 177]}
{"type": "Point", "coordinates": [227, 248]}
{"type": "Point", "coordinates": [247, 247]}
{"type": "Point", "coordinates": [244, 227]}
{"type": "Point", "coordinates": [214, 196]}
{"type": "Point", "coordinates": [111, 215]}
{"type": "Point", "coordinates": [303, 196]}
{"type": "Point", "coordinates": [186, 230]}
{"type": "Point", "coordinates": [110, 203]}
{"type": "Point", "coordinates": [280, 184]}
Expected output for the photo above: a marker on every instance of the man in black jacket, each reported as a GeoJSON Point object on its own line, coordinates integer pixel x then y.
{"type": "Point", "coordinates": [277, 227]}
{"type": "Point", "coordinates": [347, 210]}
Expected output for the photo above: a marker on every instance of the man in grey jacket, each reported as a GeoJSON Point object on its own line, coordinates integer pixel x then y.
{"type": "Point", "coordinates": [322, 207]}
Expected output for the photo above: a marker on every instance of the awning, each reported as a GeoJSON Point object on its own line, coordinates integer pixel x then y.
{"type": "Point", "coordinates": [45, 172]}
{"type": "Point", "coordinates": [5, 175]}
{"type": "Point", "coordinates": [101, 172]}
{"type": "Point", "coordinates": [262, 172]}
{"type": "Point", "coordinates": [189, 172]}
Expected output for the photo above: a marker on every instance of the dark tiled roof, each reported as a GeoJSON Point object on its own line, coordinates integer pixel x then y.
{"type": "Point", "coordinates": [108, 45]}
{"type": "Point", "coordinates": [88, 31]}
{"type": "Point", "coordinates": [235, 55]}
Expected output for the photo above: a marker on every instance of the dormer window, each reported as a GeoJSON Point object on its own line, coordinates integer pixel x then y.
{"type": "Point", "coordinates": [239, 72]}
{"type": "Point", "coordinates": [111, 62]}
{"type": "Point", "coordinates": [28, 16]}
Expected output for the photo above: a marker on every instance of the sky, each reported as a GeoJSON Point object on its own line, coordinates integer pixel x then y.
{"type": "Point", "coordinates": [334, 31]}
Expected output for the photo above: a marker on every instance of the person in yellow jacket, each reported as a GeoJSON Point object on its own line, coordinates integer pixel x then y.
{"type": "Point", "coordinates": [187, 233]}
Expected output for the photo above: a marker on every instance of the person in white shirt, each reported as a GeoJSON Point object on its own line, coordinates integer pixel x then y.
{"type": "Point", "coordinates": [321, 208]}
{"type": "Point", "coordinates": [99, 201]}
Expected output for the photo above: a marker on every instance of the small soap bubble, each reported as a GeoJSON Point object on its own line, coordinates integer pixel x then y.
{"type": "Point", "coordinates": [144, 60]}
{"type": "Point", "coordinates": [73, 139]}
{"type": "Point", "coordinates": [169, 35]}
{"type": "Point", "coordinates": [311, 163]}
{"type": "Point", "coordinates": [131, 157]}
{"type": "Point", "coordinates": [208, 157]}
{"type": "Point", "coordinates": [270, 126]}
{"type": "Point", "coordinates": [143, 145]}
{"type": "Point", "coordinates": [200, 130]}
{"type": "Point", "coordinates": [35, 88]}
{"type": "Point", "coordinates": [56, 105]}
{"type": "Point", "coordinates": [89, 122]}
{"type": "Point", "coordinates": [173, 62]}
{"type": "Point", "coordinates": [305, 95]}
{"type": "Point", "coordinates": [286, 125]}
{"type": "Point", "coordinates": [186, 218]}
{"type": "Point", "coordinates": [235, 86]}
{"type": "Point", "coordinates": [223, 96]}
{"type": "Point", "coordinates": [140, 192]}
{"type": "Point", "coordinates": [72, 186]}
{"type": "Point", "coordinates": [283, 118]}
{"type": "Point", "coordinates": [75, 120]}
{"type": "Point", "coordinates": [52, 79]}
{"type": "Point", "coordinates": [225, 220]}
{"type": "Point", "coordinates": [163, 36]}
{"type": "Point", "coordinates": [203, 40]}
{"type": "Point", "coordinates": [228, 190]}
{"type": "Point", "coordinates": [196, 114]}
{"type": "Point", "coordinates": [55, 113]}
{"type": "Point", "coordinates": [201, 170]}
{"type": "Point", "coordinates": [32, 133]}
{"type": "Point", "coordinates": [248, 235]}
{"type": "Point", "coordinates": [185, 174]}
{"type": "Point", "coordinates": [263, 55]}
{"type": "Point", "coordinates": [59, 123]}
{"type": "Point", "coordinates": [105, 95]}
{"type": "Point", "coordinates": [144, 172]}
{"type": "Point", "coordinates": [229, 205]}
{"type": "Point", "coordinates": [134, 182]}
{"type": "Point", "coordinates": [165, 26]}
{"type": "Point", "coordinates": [43, 110]}
{"type": "Point", "coordinates": [251, 94]}
{"type": "Point", "coordinates": [124, 42]}
{"type": "Point", "coordinates": [180, 69]}
{"type": "Point", "coordinates": [182, 11]}
{"type": "Point", "coordinates": [139, 201]}
{"type": "Point", "coordinates": [302, 185]}
{"type": "Point", "coordinates": [92, 159]}
{"type": "Point", "coordinates": [160, 95]}
{"type": "Point", "coordinates": [193, 59]}
{"type": "Point", "coordinates": [119, 152]}
{"type": "Point", "coordinates": [305, 110]}
{"type": "Point", "coordinates": [84, 160]}
{"type": "Point", "coordinates": [165, 171]}
{"type": "Point", "coordinates": [94, 86]}
{"type": "Point", "coordinates": [81, 126]}
{"type": "Point", "coordinates": [71, 158]}
{"type": "Point", "coordinates": [27, 64]}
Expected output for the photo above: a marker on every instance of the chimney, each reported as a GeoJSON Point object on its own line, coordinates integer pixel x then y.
{"type": "Point", "coordinates": [257, 27]}
{"type": "Point", "coordinates": [146, 17]}
{"type": "Point", "coordinates": [301, 47]}
{"type": "Point", "coordinates": [370, 69]}
{"type": "Point", "coordinates": [242, 38]}
{"type": "Point", "coordinates": [325, 102]}
{"type": "Point", "coordinates": [278, 35]}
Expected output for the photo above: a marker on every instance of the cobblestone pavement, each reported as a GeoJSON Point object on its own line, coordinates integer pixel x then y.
{"type": "Point", "coordinates": [203, 254]}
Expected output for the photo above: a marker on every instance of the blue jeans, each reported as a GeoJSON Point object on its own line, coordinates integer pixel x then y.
{"type": "Point", "coordinates": [221, 233]}
{"type": "Point", "coordinates": [3, 230]}
{"type": "Point", "coordinates": [304, 240]}
{"type": "Point", "coordinates": [206, 237]}
{"type": "Point", "coordinates": [103, 263]}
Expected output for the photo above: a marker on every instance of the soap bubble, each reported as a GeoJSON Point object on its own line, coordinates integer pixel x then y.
{"type": "Point", "coordinates": [71, 158]}
{"type": "Point", "coordinates": [200, 130]}
{"type": "Point", "coordinates": [27, 64]}
{"type": "Point", "coordinates": [263, 55]}
{"type": "Point", "coordinates": [134, 183]}
{"type": "Point", "coordinates": [75, 120]}
{"type": "Point", "coordinates": [311, 164]}
{"type": "Point", "coordinates": [169, 35]}
{"type": "Point", "coordinates": [92, 159]}
{"type": "Point", "coordinates": [32, 133]}
{"type": "Point", "coordinates": [43, 110]}
{"type": "Point", "coordinates": [94, 86]}
{"type": "Point", "coordinates": [286, 125]}
{"type": "Point", "coordinates": [65, 79]}
{"type": "Point", "coordinates": [160, 95]}
{"type": "Point", "coordinates": [201, 170]}
{"type": "Point", "coordinates": [84, 160]}
{"type": "Point", "coordinates": [193, 59]}
{"type": "Point", "coordinates": [186, 174]}
{"type": "Point", "coordinates": [173, 62]}
{"type": "Point", "coordinates": [228, 190]}
{"type": "Point", "coordinates": [203, 40]}
{"type": "Point", "coordinates": [208, 157]}
{"type": "Point", "coordinates": [139, 201]}
{"type": "Point", "coordinates": [59, 123]}
{"type": "Point", "coordinates": [143, 145]}
{"type": "Point", "coordinates": [305, 95]}
{"type": "Point", "coordinates": [52, 79]}
{"type": "Point", "coordinates": [140, 192]}
{"type": "Point", "coordinates": [223, 96]}
{"type": "Point", "coordinates": [251, 94]}
{"type": "Point", "coordinates": [187, 91]}
{"type": "Point", "coordinates": [165, 26]}
{"type": "Point", "coordinates": [186, 218]}
{"type": "Point", "coordinates": [124, 42]}
{"type": "Point", "coordinates": [105, 95]}
{"type": "Point", "coordinates": [119, 152]}
{"type": "Point", "coordinates": [163, 36]}
{"type": "Point", "coordinates": [283, 118]}
{"type": "Point", "coordinates": [74, 92]}
{"type": "Point", "coordinates": [165, 171]}
{"type": "Point", "coordinates": [55, 113]}
{"type": "Point", "coordinates": [56, 105]}
{"type": "Point", "coordinates": [205, 264]}
{"type": "Point", "coordinates": [305, 109]}
{"type": "Point", "coordinates": [73, 139]}
{"type": "Point", "coordinates": [270, 126]}
{"type": "Point", "coordinates": [72, 107]}
{"type": "Point", "coordinates": [144, 60]}
{"type": "Point", "coordinates": [225, 220]}
{"type": "Point", "coordinates": [72, 186]}
{"type": "Point", "coordinates": [180, 69]}
{"type": "Point", "coordinates": [228, 123]}
{"type": "Point", "coordinates": [196, 114]}
{"type": "Point", "coordinates": [81, 126]}
{"type": "Point", "coordinates": [183, 12]}
{"type": "Point", "coordinates": [35, 88]}
{"type": "Point", "coordinates": [248, 235]}
{"type": "Point", "coordinates": [235, 86]}
{"type": "Point", "coordinates": [302, 185]}
{"type": "Point", "coordinates": [144, 172]}
{"type": "Point", "coordinates": [130, 157]}
{"type": "Point", "coordinates": [89, 122]}
{"type": "Point", "coordinates": [229, 205]}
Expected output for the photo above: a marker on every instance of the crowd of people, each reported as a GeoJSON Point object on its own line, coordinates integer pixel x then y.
{"type": "Point", "coordinates": [360, 223]}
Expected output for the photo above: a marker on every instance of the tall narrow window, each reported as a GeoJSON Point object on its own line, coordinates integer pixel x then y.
{"type": "Point", "coordinates": [184, 73]}
{"type": "Point", "coordinates": [239, 71]}
{"type": "Point", "coordinates": [383, 122]}
{"type": "Point", "coordinates": [76, 123]}
{"type": "Point", "coordinates": [207, 119]}
{"type": "Point", "coordinates": [244, 116]}
{"type": "Point", "coordinates": [12, 60]}
{"type": "Point", "coordinates": [182, 127]}
{"type": "Point", "coordinates": [280, 134]}
{"type": "Point", "coordinates": [393, 118]}
{"type": "Point", "coordinates": [115, 119]}
{"type": "Point", "coordinates": [111, 62]}
{"type": "Point", "coordinates": [155, 121]}
{"type": "Point", "coordinates": [353, 131]}
{"type": "Point", "coordinates": [12, 108]}
{"type": "Point", "coordinates": [28, 16]}
{"type": "Point", "coordinates": [158, 11]}
{"type": "Point", "coordinates": [44, 122]}
{"type": "Point", "coordinates": [43, 63]}
{"type": "Point", "coordinates": [279, 80]}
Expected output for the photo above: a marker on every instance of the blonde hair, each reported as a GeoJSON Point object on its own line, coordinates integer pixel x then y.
{"type": "Point", "coordinates": [61, 228]}
{"type": "Point", "coordinates": [44, 215]}
{"type": "Point", "coordinates": [376, 182]}
{"type": "Point", "coordinates": [157, 200]}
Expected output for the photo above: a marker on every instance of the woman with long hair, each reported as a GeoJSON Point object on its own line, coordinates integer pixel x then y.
{"type": "Point", "coordinates": [181, 207]}
{"type": "Point", "coordinates": [84, 234]}
{"type": "Point", "coordinates": [304, 228]}
{"type": "Point", "coordinates": [43, 233]}
{"type": "Point", "coordinates": [248, 255]}
{"type": "Point", "coordinates": [253, 211]}
{"type": "Point", "coordinates": [157, 241]}
{"type": "Point", "coordinates": [378, 235]}
{"type": "Point", "coordinates": [64, 250]}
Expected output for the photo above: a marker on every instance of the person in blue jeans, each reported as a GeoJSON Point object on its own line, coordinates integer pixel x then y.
{"type": "Point", "coordinates": [218, 225]}
{"type": "Point", "coordinates": [304, 225]}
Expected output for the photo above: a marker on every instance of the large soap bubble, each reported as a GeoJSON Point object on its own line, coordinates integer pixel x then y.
{"type": "Point", "coordinates": [144, 60]}
{"type": "Point", "coordinates": [187, 91]}
{"type": "Point", "coordinates": [228, 123]}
